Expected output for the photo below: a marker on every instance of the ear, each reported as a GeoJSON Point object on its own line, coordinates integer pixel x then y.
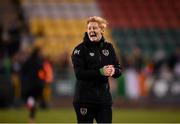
{"type": "Point", "coordinates": [102, 31]}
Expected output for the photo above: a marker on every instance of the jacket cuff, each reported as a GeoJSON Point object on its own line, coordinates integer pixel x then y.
{"type": "Point", "coordinates": [101, 71]}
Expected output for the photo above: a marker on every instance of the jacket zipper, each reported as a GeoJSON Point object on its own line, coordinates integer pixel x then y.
{"type": "Point", "coordinates": [100, 59]}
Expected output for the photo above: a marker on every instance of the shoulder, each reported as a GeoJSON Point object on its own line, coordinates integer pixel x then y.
{"type": "Point", "coordinates": [108, 44]}
{"type": "Point", "coordinates": [80, 46]}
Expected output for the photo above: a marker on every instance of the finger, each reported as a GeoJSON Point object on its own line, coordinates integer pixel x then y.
{"type": "Point", "coordinates": [111, 66]}
{"type": "Point", "coordinates": [108, 72]}
{"type": "Point", "coordinates": [112, 72]}
{"type": "Point", "coordinates": [105, 67]}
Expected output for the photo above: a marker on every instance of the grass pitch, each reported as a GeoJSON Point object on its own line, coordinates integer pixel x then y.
{"type": "Point", "coordinates": [67, 115]}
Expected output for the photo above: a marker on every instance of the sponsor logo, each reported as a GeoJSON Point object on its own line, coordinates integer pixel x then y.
{"type": "Point", "coordinates": [91, 54]}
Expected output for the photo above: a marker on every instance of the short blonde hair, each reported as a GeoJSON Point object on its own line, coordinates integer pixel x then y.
{"type": "Point", "coordinates": [101, 22]}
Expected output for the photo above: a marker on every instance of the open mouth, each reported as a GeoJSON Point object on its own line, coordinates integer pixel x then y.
{"type": "Point", "coordinates": [93, 34]}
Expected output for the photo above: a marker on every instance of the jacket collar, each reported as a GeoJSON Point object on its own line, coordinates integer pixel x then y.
{"type": "Point", "coordinates": [88, 42]}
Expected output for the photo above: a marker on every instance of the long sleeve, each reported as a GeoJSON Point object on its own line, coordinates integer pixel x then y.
{"type": "Point", "coordinates": [117, 66]}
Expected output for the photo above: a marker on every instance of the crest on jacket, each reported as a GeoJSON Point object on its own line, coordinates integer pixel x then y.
{"type": "Point", "coordinates": [83, 111]}
{"type": "Point", "coordinates": [105, 52]}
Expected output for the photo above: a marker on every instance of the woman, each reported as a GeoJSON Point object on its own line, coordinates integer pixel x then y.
{"type": "Point", "coordinates": [94, 60]}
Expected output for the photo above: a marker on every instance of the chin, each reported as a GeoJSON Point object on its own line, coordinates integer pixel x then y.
{"type": "Point", "coordinates": [93, 40]}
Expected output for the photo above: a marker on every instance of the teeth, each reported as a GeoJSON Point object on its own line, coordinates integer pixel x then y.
{"type": "Point", "coordinates": [93, 34]}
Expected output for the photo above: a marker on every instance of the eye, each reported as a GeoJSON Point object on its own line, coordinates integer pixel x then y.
{"type": "Point", "coordinates": [89, 28]}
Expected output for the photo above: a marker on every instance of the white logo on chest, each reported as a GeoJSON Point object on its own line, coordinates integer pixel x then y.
{"type": "Point", "coordinates": [105, 52]}
{"type": "Point", "coordinates": [91, 54]}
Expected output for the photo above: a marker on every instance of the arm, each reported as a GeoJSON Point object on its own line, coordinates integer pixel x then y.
{"type": "Point", "coordinates": [116, 65]}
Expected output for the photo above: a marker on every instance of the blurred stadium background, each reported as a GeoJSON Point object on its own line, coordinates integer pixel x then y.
{"type": "Point", "coordinates": [146, 34]}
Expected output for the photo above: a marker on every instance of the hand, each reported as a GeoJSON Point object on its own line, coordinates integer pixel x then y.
{"type": "Point", "coordinates": [112, 70]}
{"type": "Point", "coordinates": [108, 70]}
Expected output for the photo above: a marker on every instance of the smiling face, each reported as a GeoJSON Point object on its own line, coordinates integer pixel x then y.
{"type": "Point", "coordinates": [94, 31]}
